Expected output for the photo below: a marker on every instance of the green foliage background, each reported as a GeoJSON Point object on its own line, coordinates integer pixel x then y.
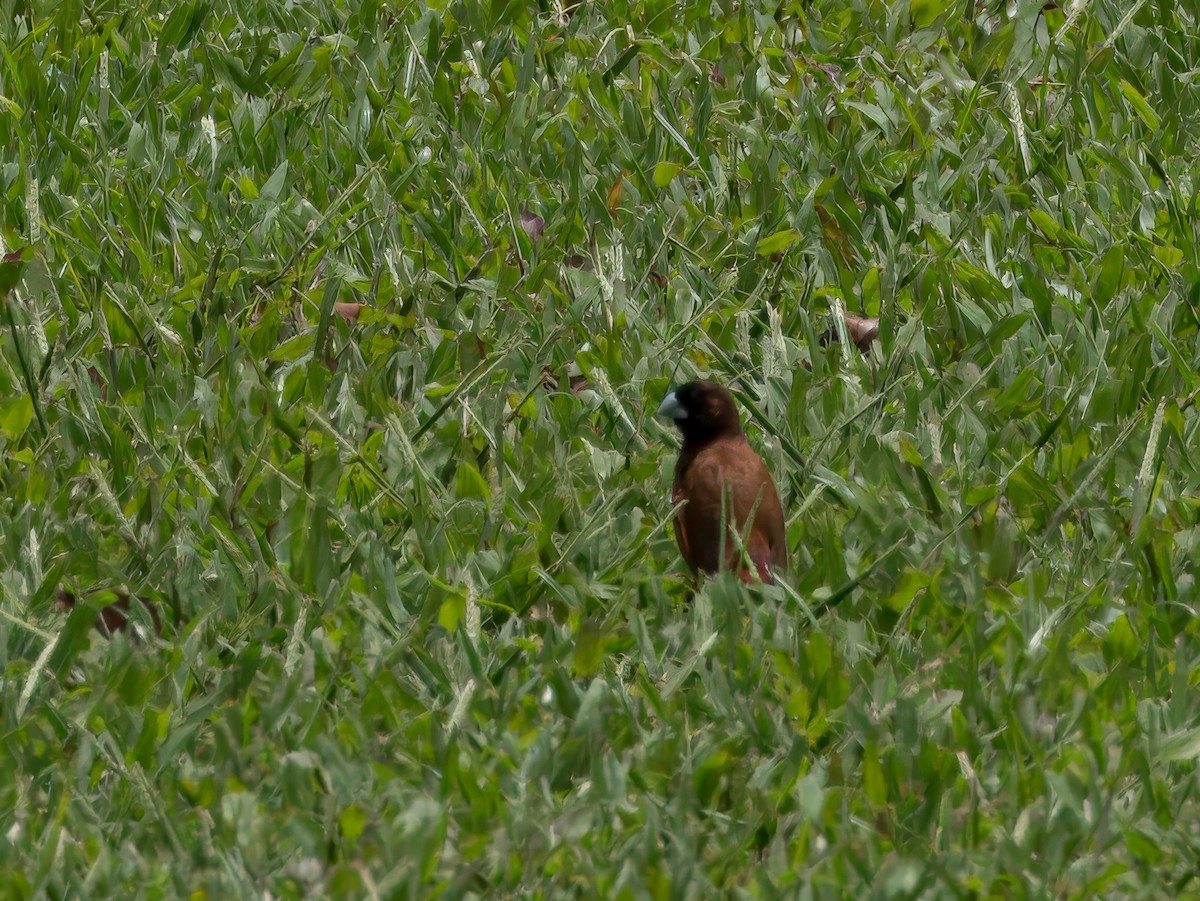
{"type": "Point", "coordinates": [430, 633]}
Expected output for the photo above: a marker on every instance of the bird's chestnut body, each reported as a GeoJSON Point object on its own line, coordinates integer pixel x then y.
{"type": "Point", "coordinates": [727, 487]}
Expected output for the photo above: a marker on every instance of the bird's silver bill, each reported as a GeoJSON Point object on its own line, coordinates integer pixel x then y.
{"type": "Point", "coordinates": [671, 407]}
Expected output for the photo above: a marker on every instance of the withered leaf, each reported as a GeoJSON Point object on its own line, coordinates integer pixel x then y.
{"type": "Point", "coordinates": [532, 224]}
{"type": "Point", "coordinates": [615, 192]}
{"type": "Point", "coordinates": [11, 265]}
{"type": "Point", "coordinates": [861, 330]}
{"type": "Point", "coordinates": [113, 617]}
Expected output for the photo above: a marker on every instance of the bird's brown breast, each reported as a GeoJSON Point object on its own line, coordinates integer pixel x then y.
{"type": "Point", "coordinates": [727, 487]}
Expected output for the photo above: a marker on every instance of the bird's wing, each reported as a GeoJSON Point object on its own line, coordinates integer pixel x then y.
{"type": "Point", "coordinates": [728, 482]}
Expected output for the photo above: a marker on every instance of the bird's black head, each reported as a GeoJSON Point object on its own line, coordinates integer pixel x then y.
{"type": "Point", "coordinates": [704, 411]}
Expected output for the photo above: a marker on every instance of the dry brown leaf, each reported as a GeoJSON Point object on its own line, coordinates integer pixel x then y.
{"type": "Point", "coordinates": [576, 383]}
{"type": "Point", "coordinates": [861, 330]}
{"type": "Point", "coordinates": [615, 192]}
{"type": "Point", "coordinates": [98, 380]}
{"type": "Point", "coordinates": [114, 617]}
{"type": "Point", "coordinates": [532, 224]}
{"type": "Point", "coordinates": [835, 239]}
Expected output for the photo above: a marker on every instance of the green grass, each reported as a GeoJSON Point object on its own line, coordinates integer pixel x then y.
{"type": "Point", "coordinates": [428, 633]}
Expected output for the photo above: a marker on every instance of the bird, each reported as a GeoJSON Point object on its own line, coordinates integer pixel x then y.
{"type": "Point", "coordinates": [722, 482]}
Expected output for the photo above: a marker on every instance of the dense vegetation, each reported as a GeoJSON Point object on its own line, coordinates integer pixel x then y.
{"type": "Point", "coordinates": [426, 632]}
